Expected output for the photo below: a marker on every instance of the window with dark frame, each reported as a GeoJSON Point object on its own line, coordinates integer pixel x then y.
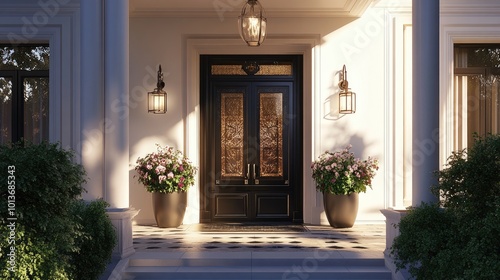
{"type": "Point", "coordinates": [24, 93]}
{"type": "Point", "coordinates": [477, 87]}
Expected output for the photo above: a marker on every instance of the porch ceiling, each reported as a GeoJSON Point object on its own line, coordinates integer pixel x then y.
{"type": "Point", "coordinates": [273, 8]}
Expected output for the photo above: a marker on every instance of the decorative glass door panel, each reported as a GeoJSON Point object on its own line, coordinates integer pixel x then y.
{"type": "Point", "coordinates": [271, 134]}
{"type": "Point", "coordinates": [232, 134]}
{"type": "Point", "coordinates": [251, 128]}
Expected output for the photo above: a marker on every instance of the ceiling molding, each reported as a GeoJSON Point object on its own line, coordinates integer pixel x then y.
{"type": "Point", "coordinates": [231, 8]}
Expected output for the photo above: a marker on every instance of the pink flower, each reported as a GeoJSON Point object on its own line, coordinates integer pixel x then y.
{"type": "Point", "coordinates": [170, 175]}
{"type": "Point", "coordinates": [160, 169]}
{"type": "Point", "coordinates": [162, 178]}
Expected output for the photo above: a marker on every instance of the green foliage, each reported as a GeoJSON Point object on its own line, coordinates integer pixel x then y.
{"type": "Point", "coordinates": [464, 229]}
{"type": "Point", "coordinates": [342, 173]}
{"type": "Point", "coordinates": [46, 184]}
{"type": "Point", "coordinates": [35, 259]}
{"type": "Point", "coordinates": [165, 171]}
{"type": "Point", "coordinates": [56, 236]}
{"type": "Point", "coordinates": [96, 242]}
{"type": "Point", "coordinates": [471, 181]}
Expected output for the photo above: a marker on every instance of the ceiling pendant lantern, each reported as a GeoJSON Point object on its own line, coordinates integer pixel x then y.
{"type": "Point", "coordinates": [252, 23]}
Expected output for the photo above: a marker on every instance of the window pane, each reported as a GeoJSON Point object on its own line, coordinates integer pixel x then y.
{"type": "Point", "coordinates": [36, 109]}
{"type": "Point", "coordinates": [5, 110]}
{"type": "Point", "coordinates": [476, 104]}
{"type": "Point", "coordinates": [24, 57]}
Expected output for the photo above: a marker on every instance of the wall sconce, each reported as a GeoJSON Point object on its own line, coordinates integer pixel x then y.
{"type": "Point", "coordinates": [252, 23]}
{"type": "Point", "coordinates": [157, 99]}
{"type": "Point", "coordinates": [347, 98]}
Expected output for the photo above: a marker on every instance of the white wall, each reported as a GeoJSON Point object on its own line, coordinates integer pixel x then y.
{"type": "Point", "coordinates": [357, 43]}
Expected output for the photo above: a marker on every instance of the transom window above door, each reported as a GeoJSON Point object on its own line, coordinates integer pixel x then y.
{"type": "Point", "coordinates": [477, 87]}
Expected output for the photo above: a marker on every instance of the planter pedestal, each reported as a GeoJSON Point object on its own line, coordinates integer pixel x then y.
{"type": "Point", "coordinates": [169, 208]}
{"type": "Point", "coordinates": [341, 210]}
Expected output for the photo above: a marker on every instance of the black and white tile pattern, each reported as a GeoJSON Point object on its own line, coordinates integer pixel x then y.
{"type": "Point", "coordinates": [360, 238]}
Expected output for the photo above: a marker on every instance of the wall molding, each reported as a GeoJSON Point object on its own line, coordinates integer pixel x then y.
{"type": "Point", "coordinates": [309, 47]}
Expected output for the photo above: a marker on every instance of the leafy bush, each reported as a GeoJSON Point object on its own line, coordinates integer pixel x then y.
{"type": "Point", "coordinates": [457, 238]}
{"type": "Point", "coordinates": [34, 259]}
{"type": "Point", "coordinates": [55, 236]}
{"type": "Point", "coordinates": [96, 242]}
{"type": "Point", "coordinates": [44, 182]}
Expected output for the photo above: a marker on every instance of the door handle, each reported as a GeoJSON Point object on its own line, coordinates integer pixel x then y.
{"type": "Point", "coordinates": [254, 171]}
{"type": "Point", "coordinates": [247, 175]}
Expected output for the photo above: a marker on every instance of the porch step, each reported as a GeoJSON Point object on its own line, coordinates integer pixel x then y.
{"type": "Point", "coordinates": [253, 265]}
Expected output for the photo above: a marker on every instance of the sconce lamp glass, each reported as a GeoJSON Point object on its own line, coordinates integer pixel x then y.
{"type": "Point", "coordinates": [347, 102]}
{"type": "Point", "coordinates": [157, 102]}
{"type": "Point", "coordinates": [252, 23]}
{"type": "Point", "coordinates": [157, 99]}
{"type": "Point", "coordinates": [347, 98]}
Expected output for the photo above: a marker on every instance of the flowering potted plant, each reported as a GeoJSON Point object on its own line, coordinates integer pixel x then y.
{"type": "Point", "coordinates": [340, 177]}
{"type": "Point", "coordinates": [167, 174]}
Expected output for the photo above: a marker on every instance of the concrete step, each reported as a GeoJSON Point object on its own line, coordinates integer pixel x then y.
{"type": "Point", "coordinates": [254, 265]}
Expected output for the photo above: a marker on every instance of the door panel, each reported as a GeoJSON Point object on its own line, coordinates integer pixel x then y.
{"type": "Point", "coordinates": [251, 144]}
{"type": "Point", "coordinates": [231, 205]}
{"type": "Point", "coordinates": [273, 205]}
{"type": "Point", "coordinates": [251, 140]}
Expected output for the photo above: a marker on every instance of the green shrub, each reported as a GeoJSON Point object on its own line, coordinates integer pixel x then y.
{"type": "Point", "coordinates": [96, 242]}
{"type": "Point", "coordinates": [34, 259]}
{"type": "Point", "coordinates": [47, 182]}
{"type": "Point", "coordinates": [470, 182]}
{"type": "Point", "coordinates": [41, 181]}
{"type": "Point", "coordinates": [458, 238]}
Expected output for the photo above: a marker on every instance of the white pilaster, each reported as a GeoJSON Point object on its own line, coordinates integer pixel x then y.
{"type": "Point", "coordinates": [425, 22]}
{"type": "Point", "coordinates": [92, 97]}
{"type": "Point", "coordinates": [116, 93]}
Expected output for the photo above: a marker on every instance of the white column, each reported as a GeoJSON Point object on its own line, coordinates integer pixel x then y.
{"type": "Point", "coordinates": [92, 97]}
{"type": "Point", "coordinates": [116, 92]}
{"type": "Point", "coordinates": [425, 98]}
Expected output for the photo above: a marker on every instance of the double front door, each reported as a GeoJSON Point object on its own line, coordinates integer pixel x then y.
{"type": "Point", "coordinates": [252, 169]}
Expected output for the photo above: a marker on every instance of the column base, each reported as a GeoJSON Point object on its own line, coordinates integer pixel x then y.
{"type": "Point", "coordinates": [121, 218]}
{"type": "Point", "coordinates": [392, 219]}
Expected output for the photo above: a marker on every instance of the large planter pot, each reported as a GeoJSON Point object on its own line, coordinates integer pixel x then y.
{"type": "Point", "coordinates": [341, 210]}
{"type": "Point", "coordinates": [169, 208]}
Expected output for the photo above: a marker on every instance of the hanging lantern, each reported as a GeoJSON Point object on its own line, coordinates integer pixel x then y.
{"type": "Point", "coordinates": [252, 23]}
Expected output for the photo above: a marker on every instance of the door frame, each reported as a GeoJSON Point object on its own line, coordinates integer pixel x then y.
{"type": "Point", "coordinates": [208, 146]}
{"type": "Point", "coordinates": [307, 45]}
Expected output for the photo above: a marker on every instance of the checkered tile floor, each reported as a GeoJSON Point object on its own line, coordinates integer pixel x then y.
{"type": "Point", "coordinates": [365, 238]}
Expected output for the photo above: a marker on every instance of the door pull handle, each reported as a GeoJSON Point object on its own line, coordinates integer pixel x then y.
{"type": "Point", "coordinates": [254, 171]}
{"type": "Point", "coordinates": [248, 174]}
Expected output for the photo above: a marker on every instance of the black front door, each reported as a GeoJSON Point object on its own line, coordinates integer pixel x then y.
{"type": "Point", "coordinates": [252, 148]}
